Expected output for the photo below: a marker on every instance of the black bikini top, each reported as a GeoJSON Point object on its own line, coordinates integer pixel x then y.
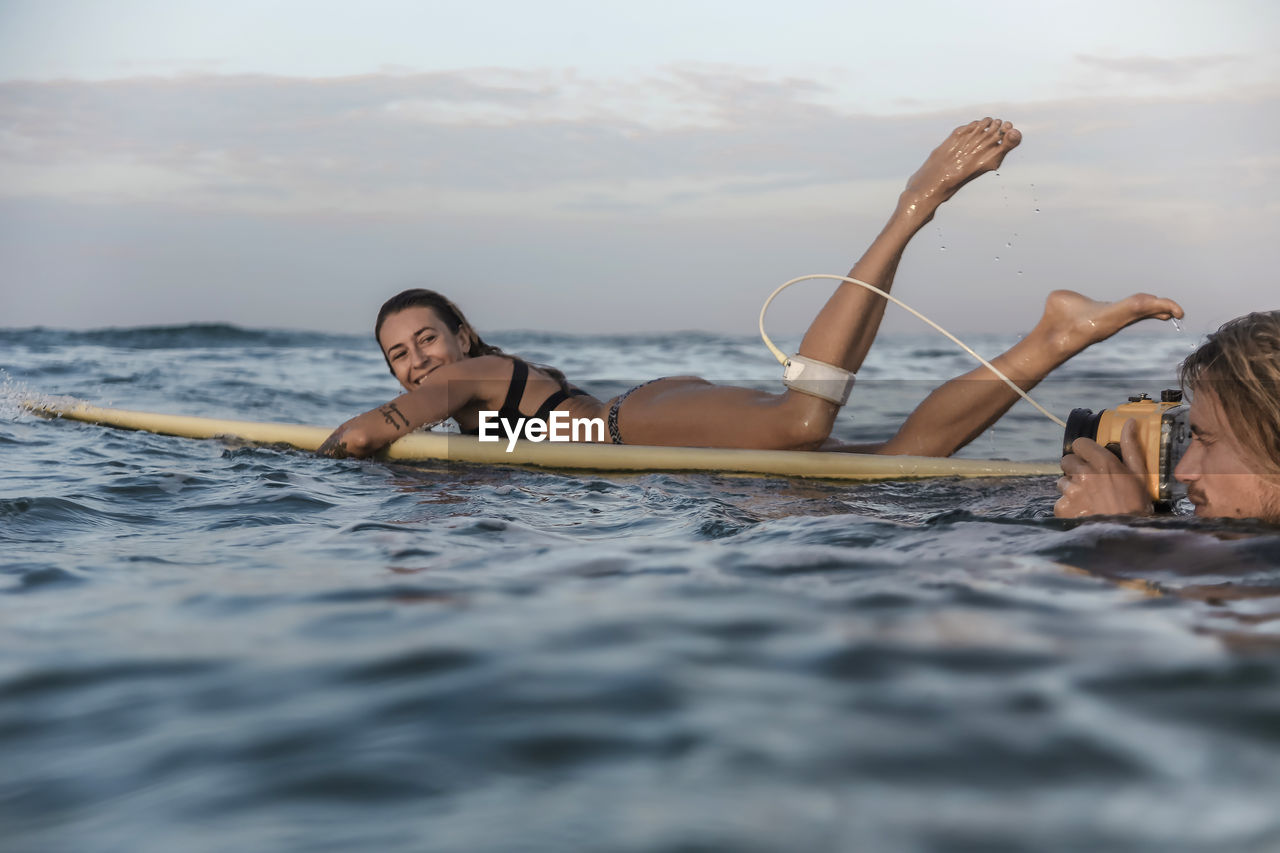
{"type": "Point", "coordinates": [510, 410]}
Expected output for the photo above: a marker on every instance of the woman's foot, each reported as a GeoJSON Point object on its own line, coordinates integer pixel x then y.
{"type": "Point", "coordinates": [1073, 321]}
{"type": "Point", "coordinates": [977, 147]}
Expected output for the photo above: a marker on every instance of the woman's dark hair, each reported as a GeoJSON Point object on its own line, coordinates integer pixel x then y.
{"type": "Point", "coordinates": [451, 315]}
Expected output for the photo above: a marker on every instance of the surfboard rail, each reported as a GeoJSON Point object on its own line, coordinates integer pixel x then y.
{"type": "Point", "coordinates": [452, 447]}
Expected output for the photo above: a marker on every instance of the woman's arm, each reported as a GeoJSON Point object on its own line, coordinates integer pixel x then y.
{"type": "Point", "coordinates": [446, 390]}
{"type": "Point", "coordinates": [366, 434]}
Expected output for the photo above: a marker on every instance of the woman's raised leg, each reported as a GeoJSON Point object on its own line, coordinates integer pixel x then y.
{"type": "Point", "coordinates": [695, 413]}
{"type": "Point", "coordinates": [844, 329]}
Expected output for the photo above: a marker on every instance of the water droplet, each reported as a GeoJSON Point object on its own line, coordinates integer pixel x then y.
{"type": "Point", "coordinates": [942, 248]}
{"type": "Point", "coordinates": [1008, 245]}
{"type": "Point", "coordinates": [1176, 324]}
{"type": "Point", "coordinates": [1019, 272]}
{"type": "Point", "coordinates": [1037, 210]}
{"type": "Point", "coordinates": [997, 257]}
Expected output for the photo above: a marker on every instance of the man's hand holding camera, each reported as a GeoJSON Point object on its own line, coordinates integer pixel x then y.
{"type": "Point", "coordinates": [1095, 482]}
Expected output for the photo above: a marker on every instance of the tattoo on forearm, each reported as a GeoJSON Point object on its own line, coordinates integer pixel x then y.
{"type": "Point", "coordinates": [334, 447]}
{"type": "Point", "coordinates": [393, 416]}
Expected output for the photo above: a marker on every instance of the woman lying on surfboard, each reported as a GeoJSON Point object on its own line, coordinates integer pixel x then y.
{"type": "Point", "coordinates": [449, 372]}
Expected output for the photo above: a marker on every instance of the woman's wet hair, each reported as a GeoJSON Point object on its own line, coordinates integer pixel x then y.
{"type": "Point", "coordinates": [1240, 365]}
{"type": "Point", "coordinates": [451, 315]}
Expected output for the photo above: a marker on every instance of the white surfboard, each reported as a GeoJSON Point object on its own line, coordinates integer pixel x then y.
{"type": "Point", "coordinates": [451, 447]}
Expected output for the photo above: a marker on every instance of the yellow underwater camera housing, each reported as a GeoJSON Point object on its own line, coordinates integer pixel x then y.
{"type": "Point", "coordinates": [1163, 434]}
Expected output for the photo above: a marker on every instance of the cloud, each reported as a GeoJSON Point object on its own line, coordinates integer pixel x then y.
{"type": "Point", "coordinates": [1159, 69]}
{"type": "Point", "coordinates": [676, 186]}
{"type": "Point", "coordinates": [383, 142]}
{"type": "Point", "coordinates": [694, 141]}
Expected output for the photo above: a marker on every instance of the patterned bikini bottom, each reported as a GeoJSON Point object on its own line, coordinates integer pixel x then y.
{"type": "Point", "coordinates": [617, 404]}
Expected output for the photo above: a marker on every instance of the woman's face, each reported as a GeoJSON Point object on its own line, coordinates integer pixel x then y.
{"type": "Point", "coordinates": [416, 341]}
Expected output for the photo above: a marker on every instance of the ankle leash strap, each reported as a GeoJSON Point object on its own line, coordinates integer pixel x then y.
{"type": "Point", "coordinates": [818, 379]}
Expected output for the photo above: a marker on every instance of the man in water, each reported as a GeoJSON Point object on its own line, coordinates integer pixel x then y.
{"type": "Point", "coordinates": [1232, 467]}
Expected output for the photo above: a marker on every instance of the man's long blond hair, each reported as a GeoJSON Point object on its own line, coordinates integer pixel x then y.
{"type": "Point", "coordinates": [1240, 365]}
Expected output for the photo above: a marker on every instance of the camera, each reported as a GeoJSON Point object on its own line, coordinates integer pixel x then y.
{"type": "Point", "coordinates": [1163, 435]}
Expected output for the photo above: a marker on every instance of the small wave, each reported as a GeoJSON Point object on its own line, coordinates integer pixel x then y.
{"type": "Point", "coordinates": [31, 578]}
{"type": "Point", "coordinates": [69, 678]}
{"type": "Point", "coordinates": [411, 665]}
{"type": "Point", "coordinates": [36, 514]}
{"type": "Point", "coordinates": [187, 336]}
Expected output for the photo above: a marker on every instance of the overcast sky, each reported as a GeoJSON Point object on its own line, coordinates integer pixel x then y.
{"type": "Point", "coordinates": [615, 167]}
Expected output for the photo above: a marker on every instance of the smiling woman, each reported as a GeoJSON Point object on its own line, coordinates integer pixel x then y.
{"type": "Point", "coordinates": [420, 331]}
{"type": "Point", "coordinates": [448, 371]}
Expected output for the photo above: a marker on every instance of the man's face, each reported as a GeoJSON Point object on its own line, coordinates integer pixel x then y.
{"type": "Point", "coordinates": [1222, 479]}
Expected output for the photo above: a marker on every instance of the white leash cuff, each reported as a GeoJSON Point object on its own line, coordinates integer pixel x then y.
{"type": "Point", "coordinates": [818, 379]}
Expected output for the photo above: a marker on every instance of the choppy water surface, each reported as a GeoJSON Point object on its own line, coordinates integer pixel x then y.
{"type": "Point", "coordinates": [206, 647]}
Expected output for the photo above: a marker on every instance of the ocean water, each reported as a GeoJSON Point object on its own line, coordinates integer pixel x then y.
{"type": "Point", "coordinates": [207, 647]}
